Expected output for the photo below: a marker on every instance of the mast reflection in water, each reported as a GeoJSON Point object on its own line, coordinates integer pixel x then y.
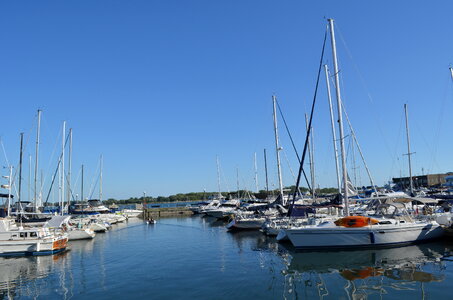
{"type": "Point", "coordinates": [196, 258]}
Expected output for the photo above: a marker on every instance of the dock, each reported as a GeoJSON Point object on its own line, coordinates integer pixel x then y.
{"type": "Point", "coordinates": [162, 212]}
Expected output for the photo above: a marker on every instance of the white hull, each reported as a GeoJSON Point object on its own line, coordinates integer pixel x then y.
{"type": "Point", "coordinates": [131, 213]}
{"type": "Point", "coordinates": [80, 234]}
{"type": "Point", "coordinates": [369, 236]}
{"type": "Point", "coordinates": [96, 227]}
{"type": "Point", "coordinates": [246, 224]}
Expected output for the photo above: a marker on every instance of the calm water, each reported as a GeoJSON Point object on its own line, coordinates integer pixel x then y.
{"type": "Point", "coordinates": [195, 258]}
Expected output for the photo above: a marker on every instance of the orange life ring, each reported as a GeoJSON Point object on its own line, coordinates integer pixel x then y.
{"type": "Point", "coordinates": [355, 221]}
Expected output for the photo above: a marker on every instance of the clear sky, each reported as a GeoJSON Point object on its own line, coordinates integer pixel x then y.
{"type": "Point", "coordinates": [162, 87]}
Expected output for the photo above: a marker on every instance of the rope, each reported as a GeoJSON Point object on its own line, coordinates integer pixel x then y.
{"type": "Point", "coordinates": [309, 124]}
{"type": "Point", "coordinates": [294, 146]}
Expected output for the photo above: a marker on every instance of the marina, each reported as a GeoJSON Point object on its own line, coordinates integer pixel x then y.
{"type": "Point", "coordinates": [196, 257]}
{"type": "Point", "coordinates": [226, 150]}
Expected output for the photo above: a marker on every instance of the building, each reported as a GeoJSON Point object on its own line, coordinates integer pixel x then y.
{"type": "Point", "coordinates": [429, 180]}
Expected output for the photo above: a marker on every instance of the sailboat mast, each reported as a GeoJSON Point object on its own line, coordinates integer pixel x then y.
{"type": "Point", "coordinates": [277, 148]}
{"type": "Point", "coordinates": [29, 177]}
{"type": "Point", "coordinates": [62, 168]}
{"type": "Point", "coordinates": [35, 199]}
{"type": "Point", "coordinates": [81, 189]}
{"type": "Point", "coordinates": [237, 179]}
{"type": "Point", "coordinates": [310, 158]}
{"type": "Point", "coordinates": [256, 176]}
{"type": "Point", "coordinates": [100, 180]}
{"type": "Point", "coordinates": [10, 182]}
{"type": "Point", "coordinates": [340, 118]}
{"type": "Point", "coordinates": [265, 168]}
{"type": "Point", "coordinates": [332, 123]}
{"type": "Point", "coordinates": [409, 151]}
{"type": "Point", "coordinates": [68, 197]}
{"type": "Point", "coordinates": [19, 196]}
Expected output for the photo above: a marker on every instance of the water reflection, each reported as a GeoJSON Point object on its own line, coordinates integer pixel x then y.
{"type": "Point", "coordinates": [191, 252]}
{"type": "Point", "coordinates": [362, 273]}
{"type": "Point", "coordinates": [17, 272]}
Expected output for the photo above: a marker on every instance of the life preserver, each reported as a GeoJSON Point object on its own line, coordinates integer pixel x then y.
{"type": "Point", "coordinates": [355, 221]}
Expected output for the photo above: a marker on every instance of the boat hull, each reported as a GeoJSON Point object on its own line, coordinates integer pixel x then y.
{"type": "Point", "coordinates": [363, 237]}
{"type": "Point", "coordinates": [33, 247]}
{"type": "Point", "coordinates": [246, 224]}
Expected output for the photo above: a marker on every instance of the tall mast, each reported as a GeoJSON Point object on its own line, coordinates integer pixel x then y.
{"type": "Point", "coordinates": [256, 176]}
{"type": "Point", "coordinates": [10, 182]}
{"type": "Point", "coordinates": [62, 167]}
{"type": "Point", "coordinates": [311, 160]}
{"type": "Point", "coordinates": [332, 123]}
{"type": "Point", "coordinates": [277, 149]}
{"type": "Point", "coordinates": [69, 191]}
{"type": "Point", "coordinates": [100, 181]}
{"type": "Point", "coordinates": [340, 118]}
{"type": "Point", "coordinates": [29, 177]}
{"type": "Point", "coordinates": [19, 196]}
{"type": "Point", "coordinates": [409, 151]}
{"type": "Point", "coordinates": [265, 168]}
{"type": "Point", "coordinates": [218, 176]}
{"type": "Point", "coordinates": [35, 199]}
{"type": "Point", "coordinates": [81, 189]}
{"type": "Point", "coordinates": [237, 179]}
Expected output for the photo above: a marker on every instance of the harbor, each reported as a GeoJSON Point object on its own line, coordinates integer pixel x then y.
{"type": "Point", "coordinates": [226, 150]}
{"type": "Point", "coordinates": [196, 257]}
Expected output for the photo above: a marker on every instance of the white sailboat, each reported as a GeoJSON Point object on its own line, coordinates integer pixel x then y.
{"type": "Point", "coordinates": [359, 231]}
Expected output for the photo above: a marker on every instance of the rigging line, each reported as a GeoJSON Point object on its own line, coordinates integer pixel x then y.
{"type": "Point", "coordinates": [77, 178]}
{"type": "Point", "coordinates": [287, 130]}
{"type": "Point", "coordinates": [292, 142]}
{"type": "Point", "coordinates": [434, 161]}
{"type": "Point", "coordinates": [16, 170]}
{"type": "Point", "coordinates": [57, 141]}
{"type": "Point", "coordinates": [291, 170]}
{"type": "Point", "coordinates": [358, 147]}
{"type": "Point", "coordinates": [7, 162]}
{"type": "Point", "coordinates": [94, 180]}
{"type": "Point", "coordinates": [436, 136]}
{"type": "Point", "coordinates": [395, 156]}
{"type": "Point", "coordinates": [56, 171]}
{"type": "Point", "coordinates": [370, 98]}
{"type": "Point", "coordinates": [224, 177]}
{"type": "Point", "coordinates": [95, 184]}
{"type": "Point", "coordinates": [309, 124]}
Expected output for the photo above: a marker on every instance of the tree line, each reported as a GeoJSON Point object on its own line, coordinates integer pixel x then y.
{"type": "Point", "coordinates": [200, 196]}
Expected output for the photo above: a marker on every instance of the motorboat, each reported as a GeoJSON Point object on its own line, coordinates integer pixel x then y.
{"type": "Point", "coordinates": [17, 241]}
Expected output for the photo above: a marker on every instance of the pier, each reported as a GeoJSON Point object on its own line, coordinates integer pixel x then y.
{"type": "Point", "coordinates": [160, 212]}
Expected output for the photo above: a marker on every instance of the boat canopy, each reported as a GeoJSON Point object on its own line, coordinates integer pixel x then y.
{"type": "Point", "coordinates": [57, 221]}
{"type": "Point", "coordinates": [417, 199]}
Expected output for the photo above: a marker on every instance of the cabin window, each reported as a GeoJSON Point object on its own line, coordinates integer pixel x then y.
{"type": "Point", "coordinates": [23, 234]}
{"type": "Point", "coordinates": [14, 235]}
{"type": "Point", "coordinates": [33, 234]}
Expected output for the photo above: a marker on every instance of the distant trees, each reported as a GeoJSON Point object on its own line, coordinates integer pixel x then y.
{"type": "Point", "coordinates": [200, 196]}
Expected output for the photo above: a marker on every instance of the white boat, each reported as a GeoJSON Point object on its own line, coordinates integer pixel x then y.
{"type": "Point", "coordinates": [385, 233]}
{"type": "Point", "coordinates": [31, 241]}
{"type": "Point", "coordinates": [131, 213]}
{"type": "Point", "coordinates": [75, 233]}
{"type": "Point", "coordinates": [226, 209]}
{"type": "Point", "coordinates": [76, 230]}
{"type": "Point", "coordinates": [382, 230]}
{"type": "Point", "coordinates": [246, 223]}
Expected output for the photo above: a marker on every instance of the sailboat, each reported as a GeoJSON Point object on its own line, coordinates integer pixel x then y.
{"type": "Point", "coordinates": [388, 225]}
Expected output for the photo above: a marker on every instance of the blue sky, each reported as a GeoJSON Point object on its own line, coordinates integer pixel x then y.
{"type": "Point", "coordinates": [162, 87]}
